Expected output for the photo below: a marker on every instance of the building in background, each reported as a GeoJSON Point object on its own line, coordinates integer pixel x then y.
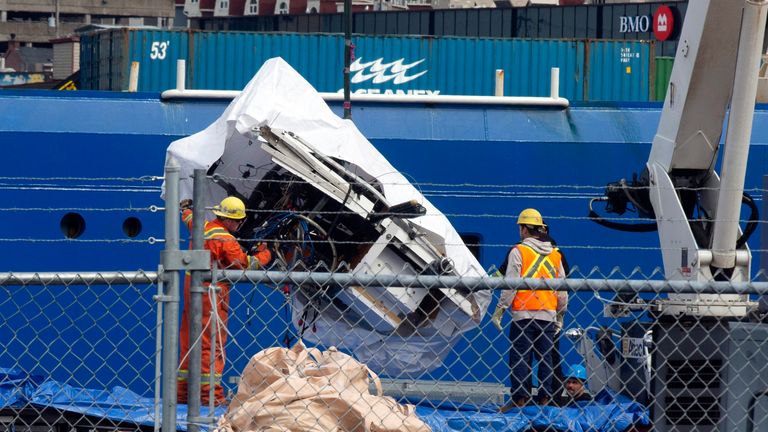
{"type": "Point", "coordinates": [36, 22]}
{"type": "Point", "coordinates": [462, 4]}
{"type": "Point", "coordinates": [66, 56]}
{"type": "Point", "coordinates": [25, 58]}
{"type": "Point", "coordinates": [179, 17]}
{"type": "Point", "coordinates": [37, 37]}
{"type": "Point", "coordinates": [658, 21]}
{"type": "Point", "coordinates": [455, 4]}
{"type": "Point", "coordinates": [238, 8]}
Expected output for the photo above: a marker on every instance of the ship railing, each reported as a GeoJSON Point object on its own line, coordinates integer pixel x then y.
{"type": "Point", "coordinates": [554, 99]}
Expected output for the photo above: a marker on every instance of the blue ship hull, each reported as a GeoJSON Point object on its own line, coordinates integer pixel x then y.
{"type": "Point", "coordinates": [478, 164]}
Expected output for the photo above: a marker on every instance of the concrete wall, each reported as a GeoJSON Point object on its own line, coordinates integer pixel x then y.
{"type": "Point", "coordinates": [36, 32]}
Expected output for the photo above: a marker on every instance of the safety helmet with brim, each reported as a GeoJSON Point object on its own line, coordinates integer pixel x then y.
{"type": "Point", "coordinates": [577, 371]}
{"type": "Point", "coordinates": [530, 217]}
{"type": "Point", "coordinates": [230, 208]}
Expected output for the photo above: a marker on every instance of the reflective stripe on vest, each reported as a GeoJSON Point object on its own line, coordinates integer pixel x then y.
{"type": "Point", "coordinates": [535, 265]}
{"type": "Point", "coordinates": [183, 375]}
{"type": "Point", "coordinates": [217, 232]}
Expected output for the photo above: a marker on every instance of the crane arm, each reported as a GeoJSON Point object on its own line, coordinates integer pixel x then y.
{"type": "Point", "coordinates": [697, 211]}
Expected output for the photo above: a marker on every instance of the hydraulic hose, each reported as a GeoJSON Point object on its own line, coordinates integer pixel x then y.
{"type": "Point", "coordinates": [750, 228]}
{"type": "Point", "coordinates": [754, 215]}
{"type": "Point", "coordinates": [619, 226]}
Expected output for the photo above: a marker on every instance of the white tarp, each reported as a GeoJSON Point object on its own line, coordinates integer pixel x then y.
{"type": "Point", "coordinates": [279, 97]}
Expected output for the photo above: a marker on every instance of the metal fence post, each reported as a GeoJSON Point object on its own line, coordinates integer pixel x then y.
{"type": "Point", "coordinates": [196, 306]}
{"type": "Point", "coordinates": [214, 323]}
{"type": "Point", "coordinates": [159, 347]}
{"type": "Point", "coordinates": [171, 318]}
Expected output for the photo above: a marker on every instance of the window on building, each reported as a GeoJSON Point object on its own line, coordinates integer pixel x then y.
{"type": "Point", "coordinates": [224, 4]}
{"type": "Point", "coordinates": [283, 8]}
{"type": "Point", "coordinates": [254, 7]}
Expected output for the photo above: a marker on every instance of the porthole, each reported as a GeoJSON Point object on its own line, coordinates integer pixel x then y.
{"type": "Point", "coordinates": [473, 243]}
{"type": "Point", "coordinates": [132, 227]}
{"type": "Point", "coordinates": [72, 225]}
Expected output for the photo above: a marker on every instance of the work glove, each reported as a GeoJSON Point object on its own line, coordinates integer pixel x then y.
{"type": "Point", "coordinates": [498, 314]}
{"type": "Point", "coordinates": [262, 253]}
{"type": "Point", "coordinates": [559, 319]}
{"type": "Point", "coordinates": [185, 204]}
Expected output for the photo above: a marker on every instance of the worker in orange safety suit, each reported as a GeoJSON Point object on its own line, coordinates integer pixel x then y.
{"type": "Point", "coordinates": [534, 312]}
{"type": "Point", "coordinates": [226, 253]}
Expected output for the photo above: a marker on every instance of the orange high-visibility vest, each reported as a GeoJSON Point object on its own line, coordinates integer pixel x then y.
{"type": "Point", "coordinates": [535, 265]}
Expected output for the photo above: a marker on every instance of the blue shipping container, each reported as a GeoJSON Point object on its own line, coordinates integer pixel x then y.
{"type": "Point", "coordinates": [619, 70]}
{"type": "Point", "coordinates": [382, 65]}
{"type": "Point", "coordinates": [106, 57]}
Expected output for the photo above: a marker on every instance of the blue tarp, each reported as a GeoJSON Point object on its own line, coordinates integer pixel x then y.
{"type": "Point", "coordinates": [609, 412]}
{"type": "Point", "coordinates": [18, 390]}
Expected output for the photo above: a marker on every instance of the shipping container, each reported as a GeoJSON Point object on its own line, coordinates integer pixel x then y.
{"type": "Point", "coordinates": [661, 77]}
{"type": "Point", "coordinates": [617, 70]}
{"type": "Point", "coordinates": [626, 79]}
{"type": "Point", "coordinates": [630, 21]}
{"type": "Point", "coordinates": [106, 57]}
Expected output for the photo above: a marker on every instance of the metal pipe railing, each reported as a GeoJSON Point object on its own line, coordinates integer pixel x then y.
{"type": "Point", "coordinates": [81, 278]}
{"type": "Point", "coordinates": [498, 89]}
{"type": "Point", "coordinates": [553, 100]}
{"type": "Point", "coordinates": [471, 283]}
{"type": "Point", "coordinates": [480, 283]}
{"type": "Point", "coordinates": [424, 99]}
{"type": "Point", "coordinates": [554, 83]}
{"type": "Point", "coordinates": [181, 74]}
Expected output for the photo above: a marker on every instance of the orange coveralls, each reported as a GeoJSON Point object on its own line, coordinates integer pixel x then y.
{"type": "Point", "coordinates": [226, 253]}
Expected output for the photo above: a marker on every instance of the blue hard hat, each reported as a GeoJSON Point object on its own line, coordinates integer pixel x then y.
{"type": "Point", "coordinates": [577, 371]}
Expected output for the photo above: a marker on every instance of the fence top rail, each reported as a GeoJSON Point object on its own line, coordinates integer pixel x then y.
{"type": "Point", "coordinates": [78, 278]}
{"type": "Point", "coordinates": [468, 283]}
{"type": "Point", "coordinates": [480, 283]}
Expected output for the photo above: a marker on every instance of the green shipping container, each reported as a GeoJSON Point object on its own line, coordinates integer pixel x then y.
{"type": "Point", "coordinates": [661, 78]}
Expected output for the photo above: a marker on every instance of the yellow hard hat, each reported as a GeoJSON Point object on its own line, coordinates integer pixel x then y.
{"type": "Point", "coordinates": [230, 208]}
{"type": "Point", "coordinates": [530, 217]}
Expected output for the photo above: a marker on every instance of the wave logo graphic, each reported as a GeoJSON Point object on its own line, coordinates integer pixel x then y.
{"type": "Point", "coordinates": [381, 72]}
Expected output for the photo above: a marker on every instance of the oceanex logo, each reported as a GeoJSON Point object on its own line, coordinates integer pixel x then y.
{"type": "Point", "coordinates": [396, 73]}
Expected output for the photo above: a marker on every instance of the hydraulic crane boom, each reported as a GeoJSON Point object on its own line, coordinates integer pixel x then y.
{"type": "Point", "coordinates": [697, 215]}
{"type": "Point", "coordinates": [697, 212]}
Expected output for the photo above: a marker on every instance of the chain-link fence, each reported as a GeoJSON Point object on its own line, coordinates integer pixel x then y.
{"type": "Point", "coordinates": [619, 340]}
{"type": "Point", "coordinates": [384, 335]}
{"type": "Point", "coordinates": [83, 354]}
{"type": "Point", "coordinates": [79, 350]}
